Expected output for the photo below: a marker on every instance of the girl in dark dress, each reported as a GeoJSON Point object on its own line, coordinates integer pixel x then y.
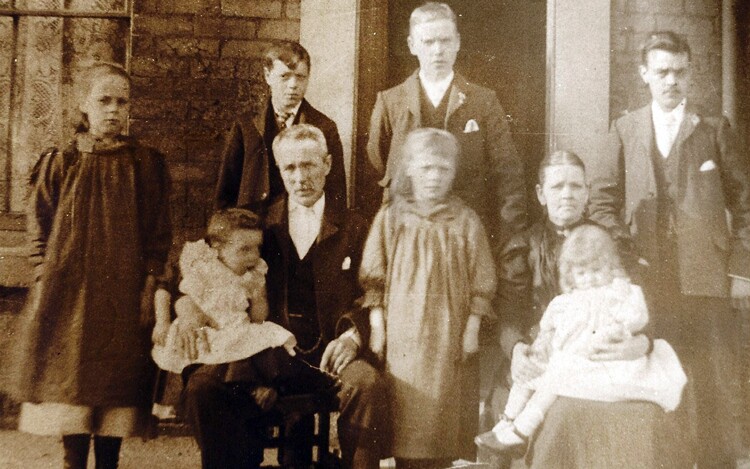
{"type": "Point", "coordinates": [100, 233]}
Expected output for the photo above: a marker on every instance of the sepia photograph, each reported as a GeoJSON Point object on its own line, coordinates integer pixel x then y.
{"type": "Point", "coordinates": [363, 234]}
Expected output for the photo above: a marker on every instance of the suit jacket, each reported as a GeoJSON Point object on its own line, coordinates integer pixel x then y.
{"type": "Point", "coordinates": [244, 174]}
{"type": "Point", "coordinates": [490, 176]}
{"type": "Point", "coordinates": [712, 180]}
{"type": "Point", "coordinates": [335, 265]}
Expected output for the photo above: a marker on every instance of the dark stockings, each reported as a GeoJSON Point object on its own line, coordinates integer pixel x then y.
{"type": "Point", "coordinates": [106, 451]}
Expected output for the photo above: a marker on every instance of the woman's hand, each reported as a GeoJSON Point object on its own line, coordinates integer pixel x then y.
{"type": "Point", "coordinates": [522, 368]}
{"type": "Point", "coordinates": [630, 348]}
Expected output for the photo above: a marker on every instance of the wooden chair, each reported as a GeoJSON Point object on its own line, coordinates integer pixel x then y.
{"type": "Point", "coordinates": [291, 407]}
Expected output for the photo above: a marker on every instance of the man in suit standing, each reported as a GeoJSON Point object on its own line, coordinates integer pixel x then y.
{"type": "Point", "coordinates": [489, 176]}
{"type": "Point", "coordinates": [669, 178]}
{"type": "Point", "coordinates": [313, 250]}
{"type": "Point", "coordinates": [249, 177]}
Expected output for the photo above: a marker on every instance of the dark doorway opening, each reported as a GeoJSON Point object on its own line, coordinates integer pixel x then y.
{"type": "Point", "coordinates": [503, 47]}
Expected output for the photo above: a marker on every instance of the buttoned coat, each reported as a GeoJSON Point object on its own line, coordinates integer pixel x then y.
{"type": "Point", "coordinates": [490, 176]}
{"type": "Point", "coordinates": [244, 177]}
{"type": "Point", "coordinates": [335, 264]}
{"type": "Point", "coordinates": [712, 181]}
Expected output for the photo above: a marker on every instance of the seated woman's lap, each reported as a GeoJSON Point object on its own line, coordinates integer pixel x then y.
{"type": "Point", "coordinates": [581, 434]}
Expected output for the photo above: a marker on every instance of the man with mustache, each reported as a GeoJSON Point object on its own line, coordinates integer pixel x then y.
{"type": "Point", "coordinates": [670, 177]}
{"type": "Point", "coordinates": [249, 177]}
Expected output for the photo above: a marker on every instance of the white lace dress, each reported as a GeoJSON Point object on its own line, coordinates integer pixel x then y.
{"type": "Point", "coordinates": [225, 297]}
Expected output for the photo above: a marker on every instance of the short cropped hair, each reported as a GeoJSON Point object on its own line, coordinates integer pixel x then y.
{"type": "Point", "coordinates": [424, 140]}
{"type": "Point", "coordinates": [226, 221]}
{"type": "Point", "coordinates": [290, 53]}
{"type": "Point", "coordinates": [432, 11]}
{"type": "Point", "coordinates": [664, 40]}
{"type": "Point", "coordinates": [559, 158]}
{"type": "Point", "coordinates": [300, 133]}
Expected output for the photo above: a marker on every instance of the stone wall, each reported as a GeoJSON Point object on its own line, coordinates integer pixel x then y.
{"type": "Point", "coordinates": [196, 64]}
{"type": "Point", "coordinates": [698, 20]}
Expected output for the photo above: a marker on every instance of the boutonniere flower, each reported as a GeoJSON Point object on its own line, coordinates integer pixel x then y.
{"type": "Point", "coordinates": [695, 119]}
{"type": "Point", "coordinates": [461, 97]}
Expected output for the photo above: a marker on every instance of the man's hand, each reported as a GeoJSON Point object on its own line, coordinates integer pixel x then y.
{"type": "Point", "coordinates": [740, 293]}
{"type": "Point", "coordinates": [522, 368]}
{"type": "Point", "coordinates": [190, 328]}
{"type": "Point", "coordinates": [632, 348]}
{"type": "Point", "coordinates": [338, 354]}
{"type": "Point", "coordinates": [265, 397]}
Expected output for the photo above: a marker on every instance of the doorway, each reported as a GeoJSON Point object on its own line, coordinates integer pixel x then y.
{"type": "Point", "coordinates": [503, 47]}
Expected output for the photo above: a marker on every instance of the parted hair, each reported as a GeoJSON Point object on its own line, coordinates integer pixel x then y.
{"type": "Point", "coordinates": [588, 246]}
{"type": "Point", "coordinates": [225, 221]}
{"type": "Point", "coordinates": [437, 142]}
{"type": "Point", "coordinates": [300, 133]}
{"type": "Point", "coordinates": [559, 158]}
{"type": "Point", "coordinates": [432, 11]}
{"type": "Point", "coordinates": [290, 53]}
{"type": "Point", "coordinates": [86, 81]}
{"type": "Point", "coordinates": [664, 40]}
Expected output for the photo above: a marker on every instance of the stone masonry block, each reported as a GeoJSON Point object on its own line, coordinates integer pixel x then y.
{"type": "Point", "coordinates": [158, 25]}
{"type": "Point", "coordinates": [168, 109]}
{"type": "Point", "coordinates": [686, 25]}
{"type": "Point", "coordinates": [159, 67]}
{"type": "Point", "coordinates": [215, 68]}
{"type": "Point", "coordinates": [254, 8]}
{"type": "Point", "coordinates": [292, 9]}
{"type": "Point", "coordinates": [183, 46]}
{"type": "Point", "coordinates": [279, 29]}
{"type": "Point", "coordinates": [243, 49]}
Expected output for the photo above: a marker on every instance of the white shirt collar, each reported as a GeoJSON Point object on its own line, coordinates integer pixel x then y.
{"type": "Point", "coordinates": [661, 117]}
{"type": "Point", "coordinates": [294, 112]}
{"type": "Point", "coordinates": [317, 207]}
{"type": "Point", "coordinates": [435, 89]}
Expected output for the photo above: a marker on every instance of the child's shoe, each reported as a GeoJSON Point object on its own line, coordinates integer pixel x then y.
{"type": "Point", "coordinates": [504, 438]}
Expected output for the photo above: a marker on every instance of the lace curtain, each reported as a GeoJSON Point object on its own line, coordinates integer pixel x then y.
{"type": "Point", "coordinates": [38, 99]}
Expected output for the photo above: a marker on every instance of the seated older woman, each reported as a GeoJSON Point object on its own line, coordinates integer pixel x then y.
{"type": "Point", "coordinates": [576, 433]}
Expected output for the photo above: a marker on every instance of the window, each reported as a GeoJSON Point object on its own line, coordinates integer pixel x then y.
{"type": "Point", "coordinates": [44, 44]}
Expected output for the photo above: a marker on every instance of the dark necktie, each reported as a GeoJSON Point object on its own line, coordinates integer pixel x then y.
{"type": "Point", "coordinates": [281, 120]}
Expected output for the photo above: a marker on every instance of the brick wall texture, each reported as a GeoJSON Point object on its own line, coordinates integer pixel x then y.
{"type": "Point", "coordinates": [196, 64]}
{"type": "Point", "coordinates": [698, 20]}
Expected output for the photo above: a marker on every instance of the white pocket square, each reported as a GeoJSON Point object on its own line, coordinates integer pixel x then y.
{"type": "Point", "coordinates": [471, 126]}
{"type": "Point", "coordinates": [708, 165]}
{"type": "Point", "coordinates": [347, 264]}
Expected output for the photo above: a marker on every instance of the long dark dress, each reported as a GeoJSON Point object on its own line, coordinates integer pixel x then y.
{"type": "Point", "coordinates": [99, 223]}
{"type": "Point", "coordinates": [579, 433]}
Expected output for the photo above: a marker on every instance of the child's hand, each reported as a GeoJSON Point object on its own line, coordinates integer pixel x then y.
{"type": "Point", "coordinates": [377, 332]}
{"type": "Point", "coordinates": [471, 336]}
{"type": "Point", "coordinates": [159, 334]}
{"type": "Point", "coordinates": [259, 309]}
{"type": "Point", "coordinates": [265, 397]}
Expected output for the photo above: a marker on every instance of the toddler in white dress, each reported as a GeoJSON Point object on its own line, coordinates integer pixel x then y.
{"type": "Point", "coordinates": [598, 305]}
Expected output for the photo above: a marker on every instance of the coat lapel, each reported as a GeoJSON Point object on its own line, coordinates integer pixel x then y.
{"type": "Point", "coordinates": [261, 118]}
{"type": "Point", "coordinates": [456, 98]}
{"type": "Point", "coordinates": [278, 223]}
{"type": "Point", "coordinates": [412, 91]}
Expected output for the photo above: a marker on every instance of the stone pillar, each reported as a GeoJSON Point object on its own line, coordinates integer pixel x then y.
{"type": "Point", "coordinates": [578, 60]}
{"type": "Point", "coordinates": [328, 30]}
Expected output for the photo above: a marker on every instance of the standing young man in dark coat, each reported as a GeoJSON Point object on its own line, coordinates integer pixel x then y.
{"type": "Point", "coordinates": [670, 177]}
{"type": "Point", "coordinates": [249, 177]}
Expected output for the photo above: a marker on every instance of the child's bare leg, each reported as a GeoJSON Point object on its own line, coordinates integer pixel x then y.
{"type": "Point", "coordinates": [517, 399]}
{"type": "Point", "coordinates": [528, 420]}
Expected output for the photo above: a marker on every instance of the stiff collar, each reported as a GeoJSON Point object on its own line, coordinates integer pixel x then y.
{"type": "Point", "coordinates": [664, 118]}
{"type": "Point", "coordinates": [436, 89]}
